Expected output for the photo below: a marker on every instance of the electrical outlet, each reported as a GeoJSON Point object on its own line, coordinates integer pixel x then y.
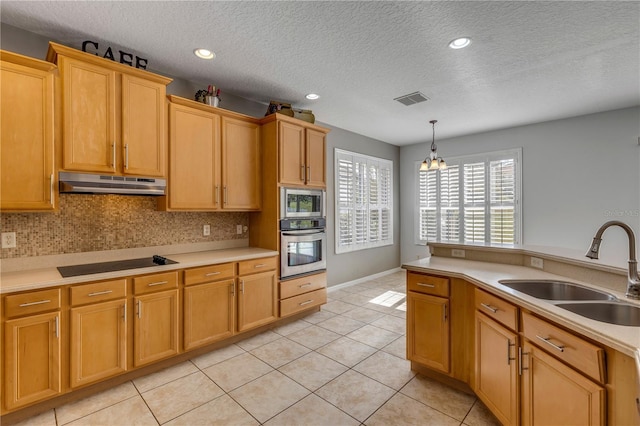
{"type": "Point", "coordinates": [206, 230]}
{"type": "Point", "coordinates": [239, 229]}
{"type": "Point", "coordinates": [536, 262]}
{"type": "Point", "coordinates": [457, 253]}
{"type": "Point", "coordinates": [8, 239]}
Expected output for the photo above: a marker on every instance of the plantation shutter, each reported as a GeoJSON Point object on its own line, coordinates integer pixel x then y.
{"type": "Point", "coordinates": [428, 206]}
{"type": "Point", "coordinates": [450, 204]}
{"type": "Point", "coordinates": [364, 201]}
{"type": "Point", "coordinates": [474, 202]}
{"type": "Point", "coordinates": [503, 201]}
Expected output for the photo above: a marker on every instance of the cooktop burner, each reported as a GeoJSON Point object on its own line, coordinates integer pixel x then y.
{"type": "Point", "coordinates": [118, 265]}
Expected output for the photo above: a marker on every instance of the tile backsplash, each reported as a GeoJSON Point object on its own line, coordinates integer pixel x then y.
{"type": "Point", "coordinates": [109, 222]}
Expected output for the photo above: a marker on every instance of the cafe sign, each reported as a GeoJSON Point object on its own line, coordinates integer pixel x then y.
{"type": "Point", "coordinates": [122, 56]}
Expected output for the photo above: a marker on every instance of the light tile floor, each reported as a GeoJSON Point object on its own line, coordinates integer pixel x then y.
{"type": "Point", "coordinates": [344, 365]}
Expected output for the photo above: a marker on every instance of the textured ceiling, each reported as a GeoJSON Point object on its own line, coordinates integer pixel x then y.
{"type": "Point", "coordinates": [528, 62]}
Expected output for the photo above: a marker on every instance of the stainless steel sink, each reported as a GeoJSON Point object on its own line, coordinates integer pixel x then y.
{"type": "Point", "coordinates": [556, 290]}
{"type": "Point", "coordinates": [613, 313]}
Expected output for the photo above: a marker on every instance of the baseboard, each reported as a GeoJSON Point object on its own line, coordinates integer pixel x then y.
{"type": "Point", "coordinates": [363, 279]}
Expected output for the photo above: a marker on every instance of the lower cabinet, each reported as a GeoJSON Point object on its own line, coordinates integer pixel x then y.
{"type": "Point", "coordinates": [554, 394]}
{"type": "Point", "coordinates": [98, 342]}
{"type": "Point", "coordinates": [496, 379]}
{"type": "Point", "coordinates": [428, 330]}
{"type": "Point", "coordinates": [208, 313]}
{"type": "Point", "coordinates": [155, 327]}
{"type": "Point", "coordinates": [257, 300]}
{"type": "Point", "coordinates": [32, 359]}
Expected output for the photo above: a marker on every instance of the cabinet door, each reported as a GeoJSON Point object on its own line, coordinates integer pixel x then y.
{"type": "Point", "coordinates": [143, 127]}
{"type": "Point", "coordinates": [98, 342]}
{"type": "Point", "coordinates": [241, 165]}
{"type": "Point", "coordinates": [89, 122]}
{"type": "Point", "coordinates": [554, 394]}
{"type": "Point", "coordinates": [155, 327]}
{"type": "Point", "coordinates": [32, 359]}
{"type": "Point", "coordinates": [257, 300]}
{"type": "Point", "coordinates": [208, 313]}
{"type": "Point", "coordinates": [194, 159]}
{"type": "Point", "coordinates": [291, 141]}
{"type": "Point", "coordinates": [496, 369]}
{"type": "Point", "coordinates": [26, 141]}
{"type": "Point", "coordinates": [316, 158]}
{"type": "Point", "coordinates": [428, 330]}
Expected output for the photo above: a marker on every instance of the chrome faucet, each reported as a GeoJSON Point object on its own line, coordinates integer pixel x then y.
{"type": "Point", "coordinates": [633, 285]}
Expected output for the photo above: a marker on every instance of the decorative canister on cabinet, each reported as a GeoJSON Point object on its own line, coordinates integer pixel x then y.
{"type": "Point", "coordinates": [305, 114]}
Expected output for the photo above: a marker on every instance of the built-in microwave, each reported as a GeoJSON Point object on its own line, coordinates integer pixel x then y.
{"type": "Point", "coordinates": [296, 203]}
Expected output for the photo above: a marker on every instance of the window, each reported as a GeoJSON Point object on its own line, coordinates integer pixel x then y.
{"type": "Point", "coordinates": [474, 200]}
{"type": "Point", "coordinates": [364, 201]}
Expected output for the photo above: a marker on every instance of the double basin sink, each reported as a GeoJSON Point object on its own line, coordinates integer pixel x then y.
{"type": "Point", "coordinates": [590, 303]}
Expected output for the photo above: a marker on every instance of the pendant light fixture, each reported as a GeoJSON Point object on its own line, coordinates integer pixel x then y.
{"type": "Point", "coordinates": [432, 161]}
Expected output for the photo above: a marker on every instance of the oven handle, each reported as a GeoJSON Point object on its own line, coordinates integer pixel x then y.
{"type": "Point", "coordinates": [310, 232]}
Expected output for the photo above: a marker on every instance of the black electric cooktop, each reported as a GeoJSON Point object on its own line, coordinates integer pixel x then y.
{"type": "Point", "coordinates": [118, 265]}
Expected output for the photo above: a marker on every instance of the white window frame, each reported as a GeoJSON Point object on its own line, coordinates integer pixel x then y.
{"type": "Point", "coordinates": [354, 246]}
{"type": "Point", "coordinates": [460, 161]}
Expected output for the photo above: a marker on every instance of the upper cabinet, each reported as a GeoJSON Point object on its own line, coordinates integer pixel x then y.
{"type": "Point", "coordinates": [27, 133]}
{"type": "Point", "coordinates": [214, 159]}
{"type": "Point", "coordinates": [113, 116]}
{"type": "Point", "coordinates": [302, 158]}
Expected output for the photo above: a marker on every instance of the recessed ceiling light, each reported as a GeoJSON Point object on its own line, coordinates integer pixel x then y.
{"type": "Point", "coordinates": [204, 53]}
{"type": "Point", "coordinates": [460, 42]}
{"type": "Point", "coordinates": [312, 96]}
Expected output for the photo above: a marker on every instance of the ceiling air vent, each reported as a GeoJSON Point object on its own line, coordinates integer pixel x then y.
{"type": "Point", "coordinates": [412, 99]}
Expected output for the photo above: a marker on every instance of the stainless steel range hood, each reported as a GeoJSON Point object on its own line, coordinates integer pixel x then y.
{"type": "Point", "coordinates": [104, 184]}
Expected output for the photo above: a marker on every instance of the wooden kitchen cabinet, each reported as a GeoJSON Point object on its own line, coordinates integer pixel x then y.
{"type": "Point", "coordinates": [302, 158]}
{"type": "Point", "coordinates": [428, 330]}
{"type": "Point", "coordinates": [241, 165]}
{"type": "Point", "coordinates": [496, 369]}
{"type": "Point", "coordinates": [27, 134]}
{"type": "Point", "coordinates": [214, 159]}
{"type": "Point", "coordinates": [208, 312]}
{"type": "Point", "coordinates": [155, 327]}
{"type": "Point", "coordinates": [257, 293]}
{"type": "Point", "coordinates": [32, 359]}
{"type": "Point", "coordinates": [113, 116]}
{"type": "Point", "coordinates": [554, 394]}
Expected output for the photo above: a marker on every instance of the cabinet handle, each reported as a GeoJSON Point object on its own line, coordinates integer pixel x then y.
{"type": "Point", "coordinates": [225, 195]}
{"type": "Point", "coordinates": [306, 303]}
{"type": "Point", "coordinates": [302, 175]}
{"type": "Point", "coordinates": [157, 283]}
{"type": "Point", "coordinates": [242, 286]}
{"type": "Point", "coordinates": [57, 326]}
{"type": "Point", "coordinates": [520, 367]}
{"type": "Point", "coordinates": [51, 189]}
{"type": "Point", "coordinates": [426, 285]}
{"type": "Point", "coordinates": [39, 302]}
{"type": "Point", "coordinates": [548, 341]}
{"type": "Point", "coordinates": [126, 156]}
{"type": "Point", "coordinates": [304, 285]}
{"type": "Point", "coordinates": [100, 293]}
{"type": "Point", "coordinates": [210, 274]}
{"type": "Point", "coordinates": [489, 307]}
{"type": "Point", "coordinates": [307, 177]}
{"type": "Point", "coordinates": [509, 359]}
{"type": "Point", "coordinates": [217, 194]}
{"type": "Point", "coordinates": [233, 289]}
{"type": "Point", "coordinates": [259, 265]}
{"type": "Point", "coordinates": [124, 312]}
{"type": "Point", "coordinates": [113, 155]}
{"type": "Point", "coordinates": [139, 309]}
{"type": "Point", "coordinates": [444, 313]}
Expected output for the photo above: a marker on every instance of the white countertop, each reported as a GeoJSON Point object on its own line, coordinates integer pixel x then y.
{"type": "Point", "coordinates": [486, 275]}
{"type": "Point", "coordinates": [34, 279]}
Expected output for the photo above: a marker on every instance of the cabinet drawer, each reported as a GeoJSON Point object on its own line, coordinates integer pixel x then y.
{"type": "Point", "coordinates": [496, 308]}
{"type": "Point", "coordinates": [302, 302]}
{"type": "Point", "coordinates": [155, 282]}
{"type": "Point", "coordinates": [576, 352]}
{"type": "Point", "coordinates": [257, 265]}
{"type": "Point", "coordinates": [428, 284]}
{"type": "Point", "coordinates": [302, 285]}
{"type": "Point", "coordinates": [209, 273]}
{"type": "Point", "coordinates": [32, 303]}
{"type": "Point", "coordinates": [98, 292]}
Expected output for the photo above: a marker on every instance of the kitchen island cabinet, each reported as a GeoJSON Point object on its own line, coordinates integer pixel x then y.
{"type": "Point", "coordinates": [27, 134]}
{"type": "Point", "coordinates": [113, 116]}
